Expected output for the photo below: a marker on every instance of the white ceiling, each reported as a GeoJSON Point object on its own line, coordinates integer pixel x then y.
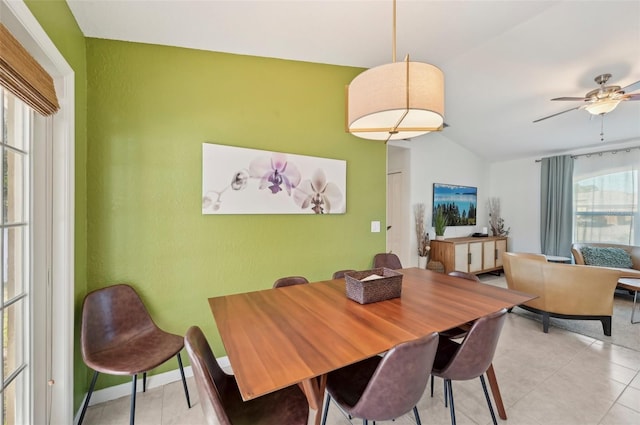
{"type": "Point", "coordinates": [503, 60]}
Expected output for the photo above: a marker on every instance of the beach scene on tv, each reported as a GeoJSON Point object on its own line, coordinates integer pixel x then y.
{"type": "Point", "coordinates": [458, 203]}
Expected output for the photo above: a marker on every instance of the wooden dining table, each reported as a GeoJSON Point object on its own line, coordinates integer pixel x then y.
{"type": "Point", "coordinates": [275, 338]}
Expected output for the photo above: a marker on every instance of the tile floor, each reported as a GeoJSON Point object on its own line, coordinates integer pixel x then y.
{"type": "Point", "coordinates": [557, 378]}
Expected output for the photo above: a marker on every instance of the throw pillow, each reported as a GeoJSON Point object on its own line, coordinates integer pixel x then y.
{"type": "Point", "coordinates": [606, 257]}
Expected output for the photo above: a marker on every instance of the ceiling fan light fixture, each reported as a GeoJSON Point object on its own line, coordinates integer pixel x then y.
{"type": "Point", "coordinates": [602, 106]}
{"type": "Point", "coordinates": [395, 101]}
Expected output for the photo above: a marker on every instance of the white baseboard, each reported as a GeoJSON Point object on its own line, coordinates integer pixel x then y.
{"type": "Point", "coordinates": [154, 381]}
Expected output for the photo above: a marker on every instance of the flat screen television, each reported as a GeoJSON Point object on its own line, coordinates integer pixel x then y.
{"type": "Point", "coordinates": [458, 203]}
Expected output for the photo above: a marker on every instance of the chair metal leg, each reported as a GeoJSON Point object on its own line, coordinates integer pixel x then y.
{"type": "Point", "coordinates": [326, 409]}
{"type": "Point", "coordinates": [432, 378]}
{"type": "Point", "coordinates": [446, 393]}
{"type": "Point", "coordinates": [86, 401]}
{"type": "Point", "coordinates": [415, 413]}
{"type": "Point", "coordinates": [144, 382]}
{"type": "Point", "coordinates": [184, 381]}
{"type": "Point", "coordinates": [451, 408]}
{"type": "Point", "coordinates": [486, 394]}
{"type": "Point", "coordinates": [132, 415]}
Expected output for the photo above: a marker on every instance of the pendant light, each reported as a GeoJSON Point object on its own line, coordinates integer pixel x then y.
{"type": "Point", "coordinates": [399, 100]}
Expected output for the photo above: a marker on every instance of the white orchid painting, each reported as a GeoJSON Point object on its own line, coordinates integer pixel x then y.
{"type": "Point", "coordinates": [250, 181]}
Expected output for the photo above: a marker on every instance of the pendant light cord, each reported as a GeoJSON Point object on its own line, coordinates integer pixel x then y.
{"type": "Point", "coordinates": [393, 50]}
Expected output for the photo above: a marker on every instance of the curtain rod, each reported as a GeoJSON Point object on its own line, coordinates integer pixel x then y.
{"type": "Point", "coordinates": [601, 152]}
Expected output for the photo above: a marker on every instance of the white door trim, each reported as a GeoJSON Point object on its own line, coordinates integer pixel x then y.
{"type": "Point", "coordinates": [24, 26]}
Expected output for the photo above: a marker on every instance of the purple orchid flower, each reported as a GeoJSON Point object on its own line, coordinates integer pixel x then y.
{"type": "Point", "coordinates": [317, 192]}
{"type": "Point", "coordinates": [275, 172]}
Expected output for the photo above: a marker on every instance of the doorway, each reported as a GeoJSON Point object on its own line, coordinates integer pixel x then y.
{"type": "Point", "coordinates": [398, 212]}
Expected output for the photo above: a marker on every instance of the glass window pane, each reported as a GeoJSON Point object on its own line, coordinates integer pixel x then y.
{"type": "Point", "coordinates": [13, 261]}
{"type": "Point", "coordinates": [14, 401]}
{"type": "Point", "coordinates": [13, 341]}
{"type": "Point", "coordinates": [14, 200]}
{"type": "Point", "coordinates": [16, 118]}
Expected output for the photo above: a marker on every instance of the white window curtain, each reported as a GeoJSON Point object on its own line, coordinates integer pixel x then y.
{"type": "Point", "coordinates": [605, 197]}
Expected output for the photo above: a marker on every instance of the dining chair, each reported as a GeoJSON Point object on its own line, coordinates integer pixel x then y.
{"type": "Point", "coordinates": [119, 337]}
{"type": "Point", "coordinates": [220, 397]}
{"type": "Point", "coordinates": [384, 388]}
{"type": "Point", "coordinates": [460, 331]}
{"type": "Point", "coordinates": [340, 273]}
{"type": "Point", "coordinates": [289, 281]}
{"type": "Point", "coordinates": [388, 260]}
{"type": "Point", "coordinates": [469, 359]}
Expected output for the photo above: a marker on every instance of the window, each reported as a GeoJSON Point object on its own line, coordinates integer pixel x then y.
{"type": "Point", "coordinates": [606, 197]}
{"type": "Point", "coordinates": [41, 392]}
{"type": "Point", "coordinates": [15, 227]}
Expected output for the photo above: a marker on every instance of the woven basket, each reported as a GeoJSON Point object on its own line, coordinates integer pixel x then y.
{"type": "Point", "coordinates": [371, 291]}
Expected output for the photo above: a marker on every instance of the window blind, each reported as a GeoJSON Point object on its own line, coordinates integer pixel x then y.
{"type": "Point", "coordinates": [23, 76]}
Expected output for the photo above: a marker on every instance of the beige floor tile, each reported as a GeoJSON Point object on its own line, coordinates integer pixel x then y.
{"type": "Point", "coordinates": [560, 401]}
{"type": "Point", "coordinates": [598, 367]}
{"type": "Point", "coordinates": [630, 398]}
{"type": "Point", "coordinates": [636, 381]}
{"type": "Point", "coordinates": [93, 414]}
{"type": "Point", "coordinates": [621, 415]}
{"type": "Point", "coordinates": [619, 355]}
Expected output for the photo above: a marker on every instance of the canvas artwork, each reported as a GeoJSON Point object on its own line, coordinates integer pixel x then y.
{"type": "Point", "coordinates": [458, 203]}
{"type": "Point", "coordinates": [251, 181]}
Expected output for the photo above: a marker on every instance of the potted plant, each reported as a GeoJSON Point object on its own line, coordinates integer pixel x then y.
{"type": "Point", "coordinates": [422, 235]}
{"type": "Point", "coordinates": [440, 224]}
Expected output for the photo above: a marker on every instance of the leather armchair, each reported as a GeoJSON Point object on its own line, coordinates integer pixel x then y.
{"type": "Point", "coordinates": [565, 291]}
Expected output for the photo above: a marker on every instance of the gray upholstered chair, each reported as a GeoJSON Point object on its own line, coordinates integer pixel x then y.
{"type": "Point", "coordinates": [220, 397]}
{"type": "Point", "coordinates": [384, 388]}
{"type": "Point", "coordinates": [289, 281]}
{"type": "Point", "coordinates": [118, 337]}
{"type": "Point", "coordinates": [388, 260]}
{"type": "Point", "coordinates": [470, 359]}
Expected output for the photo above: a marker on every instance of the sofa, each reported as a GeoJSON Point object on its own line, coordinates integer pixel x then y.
{"type": "Point", "coordinates": [566, 291]}
{"type": "Point", "coordinates": [633, 251]}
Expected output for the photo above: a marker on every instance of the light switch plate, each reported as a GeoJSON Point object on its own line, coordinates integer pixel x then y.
{"type": "Point", "coordinates": [375, 227]}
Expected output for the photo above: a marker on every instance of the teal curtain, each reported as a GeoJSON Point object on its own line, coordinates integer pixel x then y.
{"type": "Point", "coordinates": [556, 205]}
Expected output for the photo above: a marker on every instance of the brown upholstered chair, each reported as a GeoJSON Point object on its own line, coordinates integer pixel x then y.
{"type": "Point", "coordinates": [460, 331]}
{"type": "Point", "coordinates": [388, 260]}
{"type": "Point", "coordinates": [289, 281]}
{"type": "Point", "coordinates": [340, 273]}
{"type": "Point", "coordinates": [469, 359]}
{"type": "Point", "coordinates": [384, 388]}
{"type": "Point", "coordinates": [465, 275]}
{"type": "Point", "coordinates": [221, 400]}
{"type": "Point", "coordinates": [119, 337]}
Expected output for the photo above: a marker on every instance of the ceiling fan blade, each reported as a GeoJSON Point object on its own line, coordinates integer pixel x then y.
{"type": "Point", "coordinates": [558, 113]}
{"type": "Point", "coordinates": [628, 88]}
{"type": "Point", "coordinates": [633, 96]}
{"type": "Point", "coordinates": [570, 98]}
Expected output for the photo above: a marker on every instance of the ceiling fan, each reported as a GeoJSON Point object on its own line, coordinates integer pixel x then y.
{"type": "Point", "coordinates": [601, 100]}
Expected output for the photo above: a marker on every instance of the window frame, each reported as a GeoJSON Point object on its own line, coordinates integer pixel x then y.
{"type": "Point", "coordinates": [52, 398]}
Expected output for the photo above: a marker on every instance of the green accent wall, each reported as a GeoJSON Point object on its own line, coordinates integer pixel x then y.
{"type": "Point", "coordinates": [56, 19]}
{"type": "Point", "coordinates": [142, 114]}
{"type": "Point", "coordinates": [150, 108]}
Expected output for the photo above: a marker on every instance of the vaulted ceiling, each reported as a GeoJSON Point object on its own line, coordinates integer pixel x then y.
{"type": "Point", "coordinates": [503, 60]}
